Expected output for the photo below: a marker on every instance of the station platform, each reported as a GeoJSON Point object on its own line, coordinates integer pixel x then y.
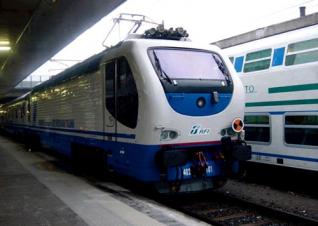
{"type": "Point", "coordinates": [33, 191]}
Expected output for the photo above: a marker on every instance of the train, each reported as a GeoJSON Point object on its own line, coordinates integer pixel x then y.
{"type": "Point", "coordinates": [280, 75]}
{"type": "Point", "coordinates": [157, 108]}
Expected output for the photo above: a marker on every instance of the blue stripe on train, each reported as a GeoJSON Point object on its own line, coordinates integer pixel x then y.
{"type": "Point", "coordinates": [285, 156]}
{"type": "Point", "coordinates": [88, 132]}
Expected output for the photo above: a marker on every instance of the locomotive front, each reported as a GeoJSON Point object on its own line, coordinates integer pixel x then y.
{"type": "Point", "coordinates": [191, 105]}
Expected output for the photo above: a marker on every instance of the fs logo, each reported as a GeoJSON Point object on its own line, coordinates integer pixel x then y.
{"type": "Point", "coordinates": [198, 130]}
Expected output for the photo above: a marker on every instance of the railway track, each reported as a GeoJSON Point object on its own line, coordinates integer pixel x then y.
{"type": "Point", "coordinates": [214, 208]}
{"type": "Point", "coordinates": [222, 210]}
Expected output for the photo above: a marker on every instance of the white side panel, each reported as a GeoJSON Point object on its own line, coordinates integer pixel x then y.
{"type": "Point", "coordinates": [79, 99]}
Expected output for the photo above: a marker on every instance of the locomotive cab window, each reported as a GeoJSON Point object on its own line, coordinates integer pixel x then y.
{"type": "Point", "coordinates": [121, 92]}
{"type": "Point", "coordinates": [257, 128]}
{"type": "Point", "coordinates": [190, 70]}
{"type": "Point", "coordinates": [301, 129]}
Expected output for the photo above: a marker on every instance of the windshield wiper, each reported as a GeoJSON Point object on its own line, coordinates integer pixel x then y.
{"type": "Point", "coordinates": [222, 69]}
{"type": "Point", "coordinates": [161, 71]}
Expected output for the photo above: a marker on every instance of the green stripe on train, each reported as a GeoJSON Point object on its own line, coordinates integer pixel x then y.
{"type": "Point", "coordinates": [303, 87]}
{"type": "Point", "coordinates": [281, 102]}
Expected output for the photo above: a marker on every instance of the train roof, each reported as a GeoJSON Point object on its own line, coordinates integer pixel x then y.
{"type": "Point", "coordinates": [272, 30]}
{"type": "Point", "coordinates": [92, 64]}
{"type": "Point", "coordinates": [89, 65]}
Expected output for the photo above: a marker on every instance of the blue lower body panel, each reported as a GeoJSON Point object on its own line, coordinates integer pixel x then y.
{"type": "Point", "coordinates": [134, 160]}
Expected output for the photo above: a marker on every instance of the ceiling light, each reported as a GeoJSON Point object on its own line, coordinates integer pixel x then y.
{"type": "Point", "coordinates": [5, 48]}
{"type": "Point", "coordinates": [4, 42]}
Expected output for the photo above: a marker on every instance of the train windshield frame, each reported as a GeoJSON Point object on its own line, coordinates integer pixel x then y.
{"type": "Point", "coordinates": [185, 69]}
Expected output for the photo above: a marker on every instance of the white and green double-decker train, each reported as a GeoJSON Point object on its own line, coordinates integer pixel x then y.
{"type": "Point", "coordinates": [280, 75]}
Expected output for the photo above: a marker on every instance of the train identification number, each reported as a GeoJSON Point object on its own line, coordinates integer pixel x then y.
{"type": "Point", "coordinates": [209, 170]}
{"type": "Point", "coordinates": [187, 172]}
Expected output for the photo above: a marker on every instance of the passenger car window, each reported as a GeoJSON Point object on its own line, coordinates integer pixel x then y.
{"type": "Point", "coordinates": [303, 45]}
{"type": "Point", "coordinates": [258, 60]}
{"type": "Point", "coordinates": [301, 129]}
{"type": "Point", "coordinates": [257, 128]}
{"type": "Point", "coordinates": [297, 54]}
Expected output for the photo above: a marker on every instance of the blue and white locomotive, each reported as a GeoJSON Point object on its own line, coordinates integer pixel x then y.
{"type": "Point", "coordinates": [165, 112]}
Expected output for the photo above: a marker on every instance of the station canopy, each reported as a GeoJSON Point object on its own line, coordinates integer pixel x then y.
{"type": "Point", "coordinates": [32, 31]}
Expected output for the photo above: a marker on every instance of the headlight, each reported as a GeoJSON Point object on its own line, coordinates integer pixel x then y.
{"type": "Point", "coordinates": [201, 102]}
{"type": "Point", "coordinates": [168, 135]}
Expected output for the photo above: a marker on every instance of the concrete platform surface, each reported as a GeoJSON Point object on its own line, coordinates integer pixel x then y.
{"type": "Point", "coordinates": [35, 192]}
{"type": "Point", "coordinates": [26, 201]}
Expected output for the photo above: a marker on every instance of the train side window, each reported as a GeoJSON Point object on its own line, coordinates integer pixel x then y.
{"type": "Point", "coordinates": [301, 129]}
{"type": "Point", "coordinates": [301, 58]}
{"type": "Point", "coordinates": [303, 45]}
{"type": "Point", "coordinates": [259, 60]}
{"type": "Point", "coordinates": [257, 128]}
{"type": "Point", "coordinates": [231, 59]}
{"type": "Point", "coordinates": [302, 52]}
{"type": "Point", "coordinates": [127, 95]}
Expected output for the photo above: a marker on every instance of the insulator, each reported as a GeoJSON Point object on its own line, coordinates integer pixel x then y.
{"type": "Point", "coordinates": [161, 28]}
{"type": "Point", "coordinates": [161, 33]}
{"type": "Point", "coordinates": [180, 30]}
{"type": "Point", "coordinates": [185, 34]}
{"type": "Point", "coordinates": [152, 31]}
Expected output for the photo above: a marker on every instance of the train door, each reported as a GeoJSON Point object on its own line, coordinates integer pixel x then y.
{"type": "Point", "coordinates": [121, 111]}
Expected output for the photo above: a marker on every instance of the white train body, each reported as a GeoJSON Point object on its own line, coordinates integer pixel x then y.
{"type": "Point", "coordinates": [280, 76]}
{"type": "Point", "coordinates": [119, 102]}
